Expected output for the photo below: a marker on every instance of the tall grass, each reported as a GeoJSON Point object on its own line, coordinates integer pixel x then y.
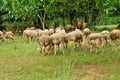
{"type": "Point", "coordinates": [65, 72]}
{"type": "Point", "coordinates": [20, 60]}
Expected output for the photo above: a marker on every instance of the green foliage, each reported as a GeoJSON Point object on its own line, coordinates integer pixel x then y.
{"type": "Point", "coordinates": [22, 12]}
{"type": "Point", "coordinates": [107, 20]}
{"type": "Point", "coordinates": [93, 28]}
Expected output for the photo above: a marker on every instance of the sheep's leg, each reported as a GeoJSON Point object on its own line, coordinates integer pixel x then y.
{"type": "Point", "coordinates": [32, 38]}
{"type": "Point", "coordinates": [66, 45]}
{"type": "Point", "coordinates": [49, 49]}
{"type": "Point", "coordinates": [97, 47]}
{"type": "Point", "coordinates": [90, 46]}
{"type": "Point", "coordinates": [40, 49]}
{"type": "Point", "coordinates": [55, 46]}
{"type": "Point", "coordinates": [29, 38]}
{"type": "Point", "coordinates": [26, 38]}
{"type": "Point", "coordinates": [43, 50]}
{"type": "Point", "coordinates": [80, 43]}
{"type": "Point", "coordinates": [106, 42]}
{"type": "Point", "coordinates": [58, 45]}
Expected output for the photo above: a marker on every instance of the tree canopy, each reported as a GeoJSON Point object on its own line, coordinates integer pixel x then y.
{"type": "Point", "coordinates": [39, 12]}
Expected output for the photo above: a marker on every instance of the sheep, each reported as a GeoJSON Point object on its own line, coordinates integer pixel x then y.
{"type": "Point", "coordinates": [115, 35]}
{"type": "Point", "coordinates": [58, 39]}
{"type": "Point", "coordinates": [75, 36]}
{"type": "Point", "coordinates": [45, 42]}
{"type": "Point", "coordinates": [9, 35]}
{"type": "Point", "coordinates": [46, 31]}
{"type": "Point", "coordinates": [106, 35]}
{"type": "Point", "coordinates": [31, 35]}
{"type": "Point", "coordinates": [1, 36]}
{"type": "Point", "coordinates": [51, 31]}
{"type": "Point", "coordinates": [95, 39]}
{"type": "Point", "coordinates": [86, 32]}
{"type": "Point", "coordinates": [58, 29]}
{"type": "Point", "coordinates": [69, 27]}
{"type": "Point", "coordinates": [63, 32]}
{"type": "Point", "coordinates": [43, 32]}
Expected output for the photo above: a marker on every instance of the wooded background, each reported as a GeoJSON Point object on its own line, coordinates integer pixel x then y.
{"type": "Point", "coordinates": [47, 13]}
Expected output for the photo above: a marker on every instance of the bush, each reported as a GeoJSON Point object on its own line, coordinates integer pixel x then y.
{"type": "Point", "coordinates": [107, 20]}
{"type": "Point", "coordinates": [93, 28]}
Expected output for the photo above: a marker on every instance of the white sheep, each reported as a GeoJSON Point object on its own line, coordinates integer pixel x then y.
{"type": "Point", "coordinates": [30, 35]}
{"type": "Point", "coordinates": [95, 39]}
{"type": "Point", "coordinates": [86, 32]}
{"type": "Point", "coordinates": [45, 43]}
{"type": "Point", "coordinates": [75, 36]}
{"type": "Point", "coordinates": [106, 35]}
{"type": "Point", "coordinates": [58, 29]}
{"type": "Point", "coordinates": [115, 35]}
{"type": "Point", "coordinates": [9, 35]}
{"type": "Point", "coordinates": [43, 32]}
{"type": "Point", "coordinates": [58, 39]}
{"type": "Point", "coordinates": [51, 31]}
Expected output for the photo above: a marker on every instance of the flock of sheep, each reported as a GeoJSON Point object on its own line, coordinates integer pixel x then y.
{"type": "Point", "coordinates": [60, 38]}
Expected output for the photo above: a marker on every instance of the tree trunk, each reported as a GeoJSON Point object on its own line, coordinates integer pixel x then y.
{"type": "Point", "coordinates": [85, 19]}
{"type": "Point", "coordinates": [71, 19]}
{"type": "Point", "coordinates": [56, 23]}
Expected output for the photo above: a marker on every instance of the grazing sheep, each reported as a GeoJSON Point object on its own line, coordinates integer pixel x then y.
{"type": "Point", "coordinates": [9, 35]}
{"type": "Point", "coordinates": [58, 39]}
{"type": "Point", "coordinates": [30, 35]}
{"type": "Point", "coordinates": [115, 35]}
{"type": "Point", "coordinates": [1, 36]}
{"type": "Point", "coordinates": [86, 32]}
{"type": "Point", "coordinates": [45, 42]}
{"type": "Point", "coordinates": [75, 36]}
{"type": "Point", "coordinates": [95, 39]}
{"type": "Point", "coordinates": [106, 35]}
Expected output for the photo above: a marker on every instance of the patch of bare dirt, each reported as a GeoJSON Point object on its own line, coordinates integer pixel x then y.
{"type": "Point", "coordinates": [87, 72]}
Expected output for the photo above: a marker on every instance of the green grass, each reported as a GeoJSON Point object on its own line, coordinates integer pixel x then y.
{"type": "Point", "coordinates": [103, 27]}
{"type": "Point", "coordinates": [108, 26]}
{"type": "Point", "coordinates": [20, 60]}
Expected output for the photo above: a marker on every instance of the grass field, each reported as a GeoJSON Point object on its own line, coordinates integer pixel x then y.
{"type": "Point", "coordinates": [20, 60]}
